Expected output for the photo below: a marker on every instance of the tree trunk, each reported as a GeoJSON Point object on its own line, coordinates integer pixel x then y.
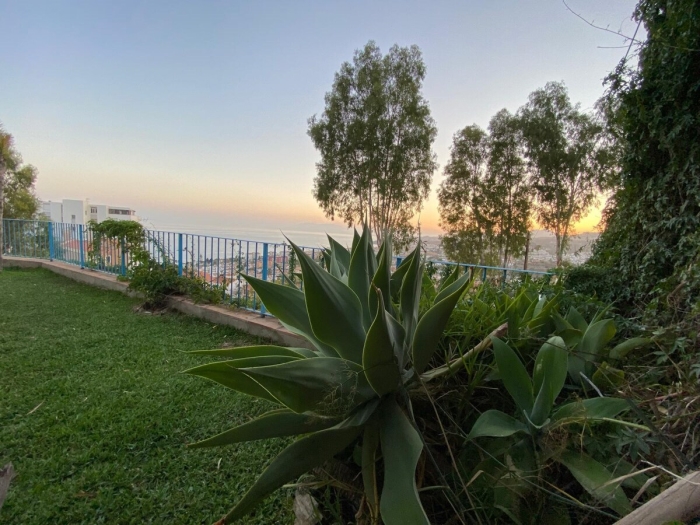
{"type": "Point", "coordinates": [527, 251]}
{"type": "Point", "coordinates": [558, 238]}
{"type": "Point", "coordinates": [2, 200]}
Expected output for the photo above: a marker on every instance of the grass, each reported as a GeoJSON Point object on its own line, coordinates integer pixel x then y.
{"type": "Point", "coordinates": [95, 415]}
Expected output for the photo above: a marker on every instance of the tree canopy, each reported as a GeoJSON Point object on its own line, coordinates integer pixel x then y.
{"type": "Point", "coordinates": [485, 198]}
{"type": "Point", "coordinates": [375, 138]}
{"type": "Point", "coordinates": [568, 159]}
{"type": "Point", "coordinates": [18, 198]}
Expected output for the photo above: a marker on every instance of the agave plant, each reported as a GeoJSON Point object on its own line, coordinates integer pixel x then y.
{"type": "Point", "coordinates": [587, 342]}
{"type": "Point", "coordinates": [369, 347]}
{"type": "Point", "coordinates": [535, 435]}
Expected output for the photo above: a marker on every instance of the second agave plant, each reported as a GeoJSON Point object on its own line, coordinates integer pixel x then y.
{"type": "Point", "coordinates": [369, 347]}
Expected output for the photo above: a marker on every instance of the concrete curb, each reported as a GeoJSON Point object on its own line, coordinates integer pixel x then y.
{"type": "Point", "coordinates": [250, 322]}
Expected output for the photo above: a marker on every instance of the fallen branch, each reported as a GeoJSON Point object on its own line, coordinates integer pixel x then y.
{"type": "Point", "coordinates": [679, 503]}
{"type": "Point", "coordinates": [454, 365]}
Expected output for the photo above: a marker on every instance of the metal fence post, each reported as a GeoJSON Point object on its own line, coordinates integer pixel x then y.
{"type": "Point", "coordinates": [483, 275]}
{"type": "Point", "coordinates": [51, 248]}
{"type": "Point", "coordinates": [82, 248]}
{"type": "Point", "coordinates": [179, 254]}
{"type": "Point", "coordinates": [264, 273]}
{"type": "Point", "coordinates": [123, 251]}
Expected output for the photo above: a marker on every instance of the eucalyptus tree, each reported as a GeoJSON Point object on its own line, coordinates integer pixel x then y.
{"type": "Point", "coordinates": [484, 200]}
{"type": "Point", "coordinates": [375, 138]}
{"type": "Point", "coordinates": [508, 185]}
{"type": "Point", "coordinates": [568, 159]}
{"type": "Point", "coordinates": [462, 199]}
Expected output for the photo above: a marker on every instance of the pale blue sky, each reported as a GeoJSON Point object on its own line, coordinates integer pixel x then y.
{"type": "Point", "coordinates": [195, 112]}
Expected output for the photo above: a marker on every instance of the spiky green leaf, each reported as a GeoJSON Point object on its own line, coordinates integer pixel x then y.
{"type": "Point", "coordinates": [595, 478]}
{"type": "Point", "coordinates": [289, 306]}
{"type": "Point", "coordinates": [276, 423]}
{"type": "Point", "coordinates": [514, 376]}
{"type": "Point", "coordinates": [241, 352]}
{"type": "Point", "coordinates": [494, 423]}
{"type": "Point", "coordinates": [401, 448]}
{"type": "Point", "coordinates": [334, 311]}
{"type": "Point", "coordinates": [432, 324]}
{"type": "Point", "coordinates": [324, 385]}
{"type": "Point", "coordinates": [300, 457]}
{"type": "Point", "coordinates": [379, 359]}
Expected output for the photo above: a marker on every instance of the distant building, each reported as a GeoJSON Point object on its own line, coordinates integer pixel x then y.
{"type": "Point", "coordinates": [73, 211]}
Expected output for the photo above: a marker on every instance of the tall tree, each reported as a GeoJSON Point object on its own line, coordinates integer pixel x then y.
{"type": "Point", "coordinates": [17, 199]}
{"type": "Point", "coordinates": [508, 185]}
{"type": "Point", "coordinates": [462, 199]}
{"type": "Point", "coordinates": [375, 138]}
{"type": "Point", "coordinates": [20, 202]}
{"type": "Point", "coordinates": [484, 200]}
{"type": "Point", "coordinates": [567, 158]}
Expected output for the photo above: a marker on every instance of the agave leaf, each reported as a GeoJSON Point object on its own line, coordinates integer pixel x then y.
{"type": "Point", "coordinates": [494, 423]}
{"type": "Point", "coordinates": [360, 276]}
{"type": "Point", "coordinates": [432, 324]}
{"type": "Point", "coordinates": [257, 351]}
{"type": "Point", "coordinates": [382, 280]}
{"type": "Point", "coordinates": [625, 347]}
{"type": "Point", "coordinates": [379, 360]}
{"type": "Point", "coordinates": [543, 324]}
{"type": "Point", "coordinates": [334, 266]}
{"type": "Point", "coordinates": [595, 338]}
{"type": "Point", "coordinates": [594, 478]}
{"type": "Point", "coordinates": [398, 275]}
{"type": "Point", "coordinates": [227, 374]}
{"type": "Point", "coordinates": [401, 448]}
{"type": "Point", "coordinates": [591, 409]}
{"type": "Point", "coordinates": [334, 310]}
{"type": "Point", "coordinates": [428, 288]}
{"type": "Point", "coordinates": [276, 423]}
{"type": "Point", "coordinates": [355, 241]}
{"type": "Point", "coordinates": [342, 254]}
{"type": "Point", "coordinates": [447, 281]}
{"type": "Point", "coordinates": [514, 376]}
{"type": "Point", "coordinates": [561, 324]}
{"type": "Point", "coordinates": [543, 405]}
{"type": "Point", "coordinates": [371, 256]}
{"type": "Point", "coordinates": [576, 320]}
{"type": "Point", "coordinates": [571, 336]}
{"type": "Point", "coordinates": [370, 445]}
{"type": "Point", "coordinates": [550, 366]}
{"type": "Point", "coordinates": [410, 294]}
{"type": "Point", "coordinates": [539, 306]}
{"type": "Point", "coordinates": [323, 385]}
{"type": "Point", "coordinates": [451, 287]}
{"type": "Point", "coordinates": [289, 306]}
{"type": "Point", "coordinates": [300, 457]}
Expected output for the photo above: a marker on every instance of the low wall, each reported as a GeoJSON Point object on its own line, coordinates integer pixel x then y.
{"type": "Point", "coordinates": [250, 322]}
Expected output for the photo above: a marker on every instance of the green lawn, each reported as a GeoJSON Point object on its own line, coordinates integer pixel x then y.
{"type": "Point", "coordinates": [95, 415]}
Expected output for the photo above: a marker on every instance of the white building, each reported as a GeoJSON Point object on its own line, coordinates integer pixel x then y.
{"type": "Point", "coordinates": [74, 211]}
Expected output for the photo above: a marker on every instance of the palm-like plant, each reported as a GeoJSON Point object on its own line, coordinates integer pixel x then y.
{"type": "Point", "coordinates": [370, 346]}
{"type": "Point", "coordinates": [532, 434]}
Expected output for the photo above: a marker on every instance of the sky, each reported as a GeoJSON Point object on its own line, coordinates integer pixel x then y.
{"type": "Point", "coordinates": [195, 113]}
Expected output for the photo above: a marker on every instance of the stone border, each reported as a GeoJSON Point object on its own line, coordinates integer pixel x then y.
{"type": "Point", "coordinates": [250, 322]}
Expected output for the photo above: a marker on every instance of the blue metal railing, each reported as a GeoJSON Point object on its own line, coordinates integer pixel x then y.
{"type": "Point", "coordinates": [219, 262]}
